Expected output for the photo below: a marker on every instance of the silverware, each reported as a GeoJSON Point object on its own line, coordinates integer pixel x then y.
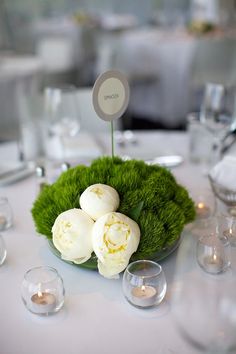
{"type": "Point", "coordinates": [12, 171]}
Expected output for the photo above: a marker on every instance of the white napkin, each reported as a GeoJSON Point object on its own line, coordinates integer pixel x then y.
{"type": "Point", "coordinates": [224, 173]}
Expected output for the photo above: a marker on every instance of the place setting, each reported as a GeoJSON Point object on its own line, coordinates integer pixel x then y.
{"type": "Point", "coordinates": [107, 215]}
{"type": "Point", "coordinates": [118, 177]}
{"type": "Point", "coordinates": [169, 249]}
{"type": "Point", "coordinates": [107, 209]}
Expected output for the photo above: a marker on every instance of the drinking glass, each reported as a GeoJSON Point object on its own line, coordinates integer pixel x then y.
{"type": "Point", "coordinates": [200, 140]}
{"type": "Point", "coordinates": [215, 115]}
{"type": "Point", "coordinates": [62, 120]}
{"type": "Point", "coordinates": [203, 303]}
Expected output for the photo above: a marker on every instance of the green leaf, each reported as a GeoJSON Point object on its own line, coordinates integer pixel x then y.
{"type": "Point", "coordinates": [135, 212]}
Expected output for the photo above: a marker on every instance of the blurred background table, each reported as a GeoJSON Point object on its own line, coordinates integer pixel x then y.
{"type": "Point", "coordinates": [167, 70]}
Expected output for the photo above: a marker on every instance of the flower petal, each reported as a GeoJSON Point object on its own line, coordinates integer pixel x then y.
{"type": "Point", "coordinates": [72, 235]}
{"type": "Point", "coordinates": [115, 238]}
{"type": "Point", "coordinates": [99, 199]}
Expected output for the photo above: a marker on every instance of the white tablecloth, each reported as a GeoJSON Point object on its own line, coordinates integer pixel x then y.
{"type": "Point", "coordinates": [96, 318]}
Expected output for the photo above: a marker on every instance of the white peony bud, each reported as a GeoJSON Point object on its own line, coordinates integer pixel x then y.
{"type": "Point", "coordinates": [115, 238]}
{"type": "Point", "coordinates": [72, 235]}
{"type": "Point", "coordinates": [99, 199]}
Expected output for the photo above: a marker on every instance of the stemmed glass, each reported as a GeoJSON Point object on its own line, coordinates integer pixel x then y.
{"type": "Point", "coordinates": [62, 119]}
{"type": "Point", "coordinates": [204, 304]}
{"type": "Point", "coordinates": [215, 115]}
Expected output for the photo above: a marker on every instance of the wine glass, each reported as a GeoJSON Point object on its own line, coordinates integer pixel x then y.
{"type": "Point", "coordinates": [215, 115]}
{"type": "Point", "coordinates": [204, 304]}
{"type": "Point", "coordinates": [62, 120]}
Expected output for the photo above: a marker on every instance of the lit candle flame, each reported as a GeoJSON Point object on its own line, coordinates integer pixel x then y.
{"type": "Point", "coordinates": [201, 205]}
{"type": "Point", "coordinates": [40, 294]}
{"type": "Point", "coordinates": [214, 257]}
{"type": "Point", "coordinates": [143, 287]}
{"type": "Point", "coordinates": [230, 232]}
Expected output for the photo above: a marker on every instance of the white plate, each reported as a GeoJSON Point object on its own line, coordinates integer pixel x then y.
{"type": "Point", "coordinates": [13, 172]}
{"type": "Point", "coordinates": [166, 161]}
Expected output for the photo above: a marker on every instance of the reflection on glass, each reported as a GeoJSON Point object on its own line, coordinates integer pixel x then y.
{"type": "Point", "coordinates": [204, 304]}
{"type": "Point", "coordinates": [3, 251]}
{"type": "Point", "coordinates": [62, 119]}
{"type": "Point", "coordinates": [215, 115]}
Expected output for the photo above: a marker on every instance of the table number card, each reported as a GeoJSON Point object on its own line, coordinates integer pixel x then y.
{"type": "Point", "coordinates": [111, 97]}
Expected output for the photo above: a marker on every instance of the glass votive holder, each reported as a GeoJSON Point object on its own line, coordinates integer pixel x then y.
{"type": "Point", "coordinates": [214, 253]}
{"type": "Point", "coordinates": [204, 205]}
{"type": "Point", "coordinates": [144, 284]}
{"type": "Point", "coordinates": [42, 290]}
{"type": "Point", "coordinates": [3, 251]}
{"type": "Point", "coordinates": [6, 216]}
{"type": "Point", "coordinates": [227, 227]}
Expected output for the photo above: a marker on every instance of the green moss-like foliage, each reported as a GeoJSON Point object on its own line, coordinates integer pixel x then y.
{"type": "Point", "coordinates": [162, 207]}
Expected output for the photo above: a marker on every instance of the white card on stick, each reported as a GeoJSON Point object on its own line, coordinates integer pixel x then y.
{"type": "Point", "coordinates": [111, 95]}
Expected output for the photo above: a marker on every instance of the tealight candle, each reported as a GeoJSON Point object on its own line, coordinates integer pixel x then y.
{"type": "Point", "coordinates": [228, 233]}
{"type": "Point", "coordinates": [213, 264]}
{"type": "Point", "coordinates": [43, 302]}
{"type": "Point", "coordinates": [144, 296]}
{"type": "Point", "coordinates": [213, 248]}
{"type": "Point", "coordinates": [202, 210]}
{"type": "Point", "coordinates": [231, 234]}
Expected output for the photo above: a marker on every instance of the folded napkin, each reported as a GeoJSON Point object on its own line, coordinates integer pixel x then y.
{"type": "Point", "coordinates": [224, 173]}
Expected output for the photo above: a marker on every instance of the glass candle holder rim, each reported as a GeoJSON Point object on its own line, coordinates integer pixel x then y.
{"type": "Point", "coordinates": [51, 269]}
{"type": "Point", "coordinates": [212, 236]}
{"type": "Point", "coordinates": [145, 261]}
{"type": "Point", "coordinates": [224, 216]}
{"type": "Point", "coordinates": [64, 88]}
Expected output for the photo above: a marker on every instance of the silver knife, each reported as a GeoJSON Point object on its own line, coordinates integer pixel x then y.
{"type": "Point", "coordinates": [12, 171]}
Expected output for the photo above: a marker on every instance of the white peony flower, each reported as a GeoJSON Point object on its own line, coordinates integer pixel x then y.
{"type": "Point", "coordinates": [99, 199]}
{"type": "Point", "coordinates": [72, 235]}
{"type": "Point", "coordinates": [115, 238]}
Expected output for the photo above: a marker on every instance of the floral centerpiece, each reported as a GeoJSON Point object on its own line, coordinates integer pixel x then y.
{"type": "Point", "coordinates": [112, 212]}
